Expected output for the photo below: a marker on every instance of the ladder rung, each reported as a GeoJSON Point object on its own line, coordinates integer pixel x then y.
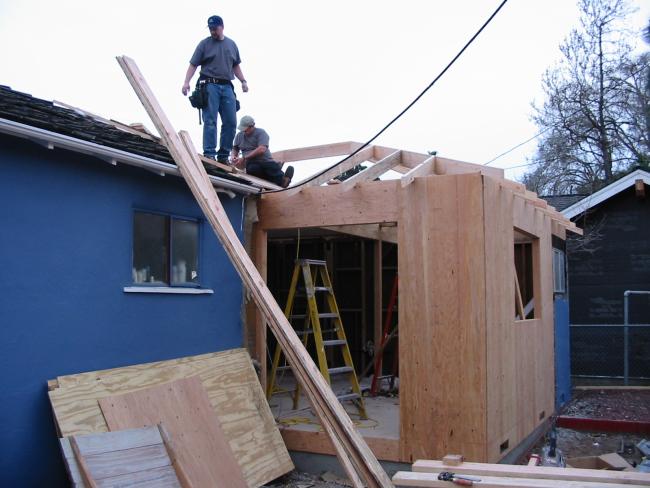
{"type": "Point", "coordinates": [334, 342]}
{"type": "Point", "coordinates": [322, 288]}
{"type": "Point", "coordinates": [283, 368]}
{"type": "Point", "coordinates": [325, 315]}
{"type": "Point", "coordinates": [311, 331]}
{"type": "Point", "coordinates": [315, 262]}
{"type": "Point", "coordinates": [348, 396]}
{"type": "Point", "coordinates": [340, 370]}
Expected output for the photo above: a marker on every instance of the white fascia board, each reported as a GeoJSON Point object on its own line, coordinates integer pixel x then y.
{"type": "Point", "coordinates": [606, 193]}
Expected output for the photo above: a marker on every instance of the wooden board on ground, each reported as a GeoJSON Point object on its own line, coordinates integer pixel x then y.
{"type": "Point", "coordinates": [183, 408]}
{"type": "Point", "coordinates": [430, 480]}
{"type": "Point", "coordinates": [133, 457]}
{"type": "Point", "coordinates": [231, 384]}
{"type": "Point", "coordinates": [538, 472]}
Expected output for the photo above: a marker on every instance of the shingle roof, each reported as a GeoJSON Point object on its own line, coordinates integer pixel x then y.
{"type": "Point", "coordinates": [560, 202]}
{"type": "Point", "coordinates": [26, 109]}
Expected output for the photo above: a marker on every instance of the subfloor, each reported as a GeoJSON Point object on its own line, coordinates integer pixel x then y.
{"type": "Point", "coordinates": [383, 411]}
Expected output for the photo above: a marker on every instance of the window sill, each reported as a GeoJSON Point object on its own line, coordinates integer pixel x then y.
{"type": "Point", "coordinates": [175, 290]}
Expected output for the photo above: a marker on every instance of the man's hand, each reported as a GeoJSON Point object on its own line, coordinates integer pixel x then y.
{"type": "Point", "coordinates": [186, 88]}
{"type": "Point", "coordinates": [244, 86]}
{"type": "Point", "coordinates": [239, 163]}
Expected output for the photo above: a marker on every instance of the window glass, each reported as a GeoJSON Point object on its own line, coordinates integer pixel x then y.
{"type": "Point", "coordinates": [185, 245]}
{"type": "Point", "coordinates": [150, 248]}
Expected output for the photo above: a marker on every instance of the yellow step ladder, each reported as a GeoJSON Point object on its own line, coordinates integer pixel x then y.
{"type": "Point", "coordinates": [316, 280]}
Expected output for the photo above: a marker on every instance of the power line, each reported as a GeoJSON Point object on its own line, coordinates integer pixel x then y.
{"type": "Point", "coordinates": [516, 147]}
{"type": "Point", "coordinates": [366, 144]}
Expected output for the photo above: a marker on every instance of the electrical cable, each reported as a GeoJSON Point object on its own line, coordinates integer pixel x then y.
{"type": "Point", "coordinates": [367, 143]}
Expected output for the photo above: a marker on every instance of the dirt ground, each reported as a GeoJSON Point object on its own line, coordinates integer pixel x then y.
{"type": "Point", "coordinates": [615, 404]}
{"type": "Point", "coordinates": [297, 479]}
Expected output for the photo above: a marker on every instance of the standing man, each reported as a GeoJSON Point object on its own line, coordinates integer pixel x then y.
{"type": "Point", "coordinates": [256, 156]}
{"type": "Point", "coordinates": [219, 59]}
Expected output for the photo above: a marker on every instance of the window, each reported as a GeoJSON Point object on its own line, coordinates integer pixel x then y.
{"type": "Point", "coordinates": [165, 250]}
{"type": "Point", "coordinates": [559, 271]}
{"type": "Point", "coordinates": [526, 275]}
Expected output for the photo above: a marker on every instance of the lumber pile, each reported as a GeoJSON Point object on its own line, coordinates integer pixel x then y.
{"type": "Point", "coordinates": [425, 473]}
{"type": "Point", "coordinates": [354, 454]}
{"type": "Point", "coordinates": [225, 382]}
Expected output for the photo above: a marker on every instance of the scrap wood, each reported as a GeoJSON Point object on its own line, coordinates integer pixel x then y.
{"type": "Point", "coordinates": [430, 480]}
{"type": "Point", "coordinates": [352, 450]}
{"type": "Point", "coordinates": [123, 458]}
{"type": "Point", "coordinates": [183, 408]}
{"type": "Point", "coordinates": [233, 388]}
{"type": "Point", "coordinates": [536, 472]}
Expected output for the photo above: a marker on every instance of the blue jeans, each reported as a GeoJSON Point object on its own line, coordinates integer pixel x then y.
{"type": "Point", "coordinates": [221, 101]}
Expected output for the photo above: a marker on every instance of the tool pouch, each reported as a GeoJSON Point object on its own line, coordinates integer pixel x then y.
{"type": "Point", "coordinates": [199, 97]}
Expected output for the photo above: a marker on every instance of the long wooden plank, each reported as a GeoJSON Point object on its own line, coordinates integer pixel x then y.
{"type": "Point", "coordinates": [430, 480]}
{"type": "Point", "coordinates": [375, 171]}
{"type": "Point", "coordinates": [184, 409]}
{"type": "Point", "coordinates": [200, 183]}
{"type": "Point", "coordinates": [233, 388]}
{"type": "Point", "coordinates": [364, 155]}
{"type": "Point", "coordinates": [537, 472]}
{"type": "Point", "coordinates": [318, 391]}
{"type": "Point", "coordinates": [316, 152]}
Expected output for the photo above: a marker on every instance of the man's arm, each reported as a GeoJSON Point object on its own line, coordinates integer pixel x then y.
{"type": "Point", "coordinates": [241, 162]}
{"type": "Point", "coordinates": [240, 76]}
{"type": "Point", "coordinates": [191, 69]}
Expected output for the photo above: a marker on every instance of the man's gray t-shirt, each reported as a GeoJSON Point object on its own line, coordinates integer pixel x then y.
{"type": "Point", "coordinates": [216, 58]}
{"type": "Point", "coordinates": [246, 144]}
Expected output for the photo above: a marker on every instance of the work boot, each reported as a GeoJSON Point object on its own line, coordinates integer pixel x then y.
{"type": "Point", "coordinates": [288, 174]}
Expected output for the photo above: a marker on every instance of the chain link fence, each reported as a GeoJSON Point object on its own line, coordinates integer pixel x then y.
{"type": "Point", "coordinates": [614, 351]}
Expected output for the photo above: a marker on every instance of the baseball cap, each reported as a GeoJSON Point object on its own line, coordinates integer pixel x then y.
{"type": "Point", "coordinates": [245, 122]}
{"type": "Point", "coordinates": [215, 21]}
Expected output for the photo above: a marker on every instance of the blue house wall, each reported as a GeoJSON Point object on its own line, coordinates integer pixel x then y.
{"type": "Point", "coordinates": [65, 256]}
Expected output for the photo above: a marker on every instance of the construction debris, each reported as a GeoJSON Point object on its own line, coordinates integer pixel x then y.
{"type": "Point", "coordinates": [230, 384]}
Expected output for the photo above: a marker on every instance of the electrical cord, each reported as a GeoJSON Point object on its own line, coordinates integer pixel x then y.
{"type": "Point", "coordinates": [440, 75]}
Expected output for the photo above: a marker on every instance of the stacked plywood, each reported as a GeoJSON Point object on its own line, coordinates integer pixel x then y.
{"type": "Point", "coordinates": [232, 389]}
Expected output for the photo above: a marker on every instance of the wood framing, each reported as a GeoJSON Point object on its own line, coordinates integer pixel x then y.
{"type": "Point", "coordinates": [473, 379]}
{"type": "Point", "coordinates": [375, 171]}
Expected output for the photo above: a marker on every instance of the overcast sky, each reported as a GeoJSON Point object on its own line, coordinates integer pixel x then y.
{"type": "Point", "coordinates": [318, 72]}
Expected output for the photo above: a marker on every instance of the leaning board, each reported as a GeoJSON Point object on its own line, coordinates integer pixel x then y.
{"type": "Point", "coordinates": [182, 407]}
{"type": "Point", "coordinates": [232, 387]}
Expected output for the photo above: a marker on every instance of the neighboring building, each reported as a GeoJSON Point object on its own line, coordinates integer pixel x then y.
{"type": "Point", "coordinates": [612, 258]}
{"type": "Point", "coordinates": [106, 261]}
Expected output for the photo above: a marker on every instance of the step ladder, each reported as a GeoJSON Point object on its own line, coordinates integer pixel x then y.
{"type": "Point", "coordinates": [316, 282]}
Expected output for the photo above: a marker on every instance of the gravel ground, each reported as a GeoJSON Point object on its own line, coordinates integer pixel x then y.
{"type": "Point", "coordinates": [610, 404]}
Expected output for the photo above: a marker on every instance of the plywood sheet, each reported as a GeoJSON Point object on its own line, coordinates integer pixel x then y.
{"type": "Point", "coordinates": [182, 407]}
{"type": "Point", "coordinates": [232, 387]}
{"type": "Point", "coordinates": [442, 317]}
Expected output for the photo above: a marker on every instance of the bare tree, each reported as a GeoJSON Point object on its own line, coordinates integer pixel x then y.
{"type": "Point", "coordinates": [593, 118]}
